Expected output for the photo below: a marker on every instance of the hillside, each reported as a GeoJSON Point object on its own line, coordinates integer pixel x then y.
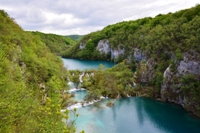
{"type": "Point", "coordinates": [58, 44]}
{"type": "Point", "coordinates": [32, 81]}
{"type": "Point", "coordinates": [75, 37]}
{"type": "Point", "coordinates": [164, 51]}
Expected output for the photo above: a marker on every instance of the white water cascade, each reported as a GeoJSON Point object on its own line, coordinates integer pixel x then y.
{"type": "Point", "coordinates": [81, 77]}
{"type": "Point", "coordinates": [73, 90]}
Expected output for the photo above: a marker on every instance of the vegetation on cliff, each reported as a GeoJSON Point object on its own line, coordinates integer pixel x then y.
{"type": "Point", "coordinates": [32, 83]}
{"type": "Point", "coordinates": [156, 36]}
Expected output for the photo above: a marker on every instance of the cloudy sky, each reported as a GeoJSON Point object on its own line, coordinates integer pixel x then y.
{"type": "Point", "coordinates": [66, 17]}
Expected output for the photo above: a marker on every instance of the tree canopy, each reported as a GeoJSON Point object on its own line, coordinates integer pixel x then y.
{"type": "Point", "coordinates": [57, 44]}
{"type": "Point", "coordinates": [32, 81]}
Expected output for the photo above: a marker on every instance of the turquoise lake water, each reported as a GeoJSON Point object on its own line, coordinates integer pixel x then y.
{"type": "Point", "coordinates": [80, 95]}
{"type": "Point", "coordinates": [73, 64]}
{"type": "Point", "coordinates": [136, 115]}
{"type": "Point", "coordinates": [132, 115]}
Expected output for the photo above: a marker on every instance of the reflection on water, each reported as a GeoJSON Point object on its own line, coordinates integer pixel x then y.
{"type": "Point", "coordinates": [136, 115]}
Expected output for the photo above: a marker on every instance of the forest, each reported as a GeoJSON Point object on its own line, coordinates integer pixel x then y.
{"type": "Point", "coordinates": [32, 83]}
{"type": "Point", "coordinates": [75, 37]}
{"type": "Point", "coordinates": [57, 44]}
{"type": "Point", "coordinates": [175, 32]}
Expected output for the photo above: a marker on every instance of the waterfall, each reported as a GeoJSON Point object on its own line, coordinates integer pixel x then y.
{"type": "Point", "coordinates": [127, 95]}
{"type": "Point", "coordinates": [82, 104]}
{"type": "Point", "coordinates": [80, 78]}
{"type": "Point", "coordinates": [75, 89]}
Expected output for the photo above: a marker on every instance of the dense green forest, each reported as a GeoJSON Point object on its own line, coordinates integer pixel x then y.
{"type": "Point", "coordinates": [164, 51]}
{"type": "Point", "coordinates": [75, 37]}
{"type": "Point", "coordinates": [171, 32]}
{"type": "Point", "coordinates": [32, 83]}
{"type": "Point", "coordinates": [58, 44]}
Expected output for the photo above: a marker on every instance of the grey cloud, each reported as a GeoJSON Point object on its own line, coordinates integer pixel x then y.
{"type": "Point", "coordinates": [84, 15]}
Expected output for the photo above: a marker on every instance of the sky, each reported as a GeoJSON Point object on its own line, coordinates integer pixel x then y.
{"type": "Point", "coordinates": [66, 17]}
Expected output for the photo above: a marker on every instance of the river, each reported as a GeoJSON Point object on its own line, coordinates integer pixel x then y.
{"type": "Point", "coordinates": [130, 115]}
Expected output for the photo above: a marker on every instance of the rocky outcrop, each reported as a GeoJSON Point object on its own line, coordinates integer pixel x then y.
{"type": "Point", "coordinates": [189, 64]}
{"type": "Point", "coordinates": [168, 74]}
{"type": "Point", "coordinates": [150, 68]}
{"type": "Point", "coordinates": [139, 55]}
{"type": "Point", "coordinates": [115, 53]}
{"type": "Point", "coordinates": [82, 45]}
{"type": "Point", "coordinates": [171, 88]}
{"type": "Point", "coordinates": [146, 70]}
{"type": "Point", "coordinates": [103, 47]}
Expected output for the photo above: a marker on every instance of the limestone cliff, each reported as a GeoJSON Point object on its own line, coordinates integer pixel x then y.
{"type": "Point", "coordinates": [115, 53]}
{"type": "Point", "coordinates": [174, 90]}
{"type": "Point", "coordinates": [103, 47]}
{"type": "Point", "coordinates": [139, 55]}
{"type": "Point", "coordinates": [82, 45]}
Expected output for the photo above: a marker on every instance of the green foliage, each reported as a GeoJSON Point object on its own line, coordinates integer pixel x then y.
{"type": "Point", "coordinates": [187, 82]}
{"type": "Point", "coordinates": [113, 82]}
{"type": "Point", "coordinates": [57, 44]}
{"type": "Point", "coordinates": [179, 55]}
{"type": "Point", "coordinates": [75, 74]}
{"type": "Point", "coordinates": [75, 37]}
{"type": "Point", "coordinates": [32, 82]}
{"type": "Point", "coordinates": [162, 35]}
{"type": "Point", "coordinates": [89, 52]}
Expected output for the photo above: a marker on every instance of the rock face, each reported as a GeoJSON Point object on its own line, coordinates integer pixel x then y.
{"type": "Point", "coordinates": [138, 55]}
{"type": "Point", "coordinates": [115, 53]}
{"type": "Point", "coordinates": [168, 74]}
{"type": "Point", "coordinates": [171, 87]}
{"type": "Point", "coordinates": [189, 65]}
{"type": "Point", "coordinates": [103, 47]}
{"type": "Point", "coordinates": [82, 45]}
{"type": "Point", "coordinates": [150, 68]}
{"type": "Point", "coordinates": [146, 70]}
{"type": "Point", "coordinates": [170, 90]}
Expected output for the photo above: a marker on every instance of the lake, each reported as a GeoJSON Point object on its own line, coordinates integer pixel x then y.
{"type": "Point", "coordinates": [130, 115]}
{"type": "Point", "coordinates": [73, 64]}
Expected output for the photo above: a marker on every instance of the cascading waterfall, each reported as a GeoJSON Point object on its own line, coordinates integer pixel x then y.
{"type": "Point", "coordinates": [81, 76]}
{"type": "Point", "coordinates": [74, 90]}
